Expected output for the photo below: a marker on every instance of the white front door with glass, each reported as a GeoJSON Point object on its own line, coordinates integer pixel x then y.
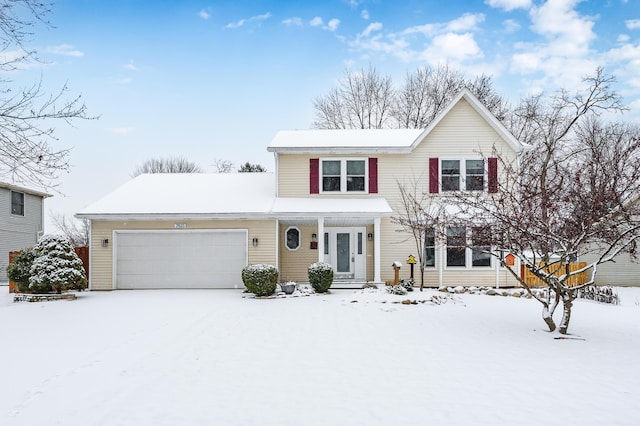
{"type": "Point", "coordinates": [345, 249]}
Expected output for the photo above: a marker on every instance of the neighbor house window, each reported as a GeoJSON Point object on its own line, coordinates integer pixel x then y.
{"type": "Point", "coordinates": [467, 248]}
{"type": "Point", "coordinates": [457, 175]}
{"type": "Point", "coordinates": [429, 257]}
{"type": "Point", "coordinates": [17, 203]}
{"type": "Point", "coordinates": [341, 175]}
{"type": "Point", "coordinates": [293, 238]}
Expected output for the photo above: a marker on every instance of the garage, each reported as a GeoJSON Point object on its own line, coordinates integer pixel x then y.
{"type": "Point", "coordinates": [179, 259]}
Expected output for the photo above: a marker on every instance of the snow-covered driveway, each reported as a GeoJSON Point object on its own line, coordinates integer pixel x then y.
{"type": "Point", "coordinates": [205, 357]}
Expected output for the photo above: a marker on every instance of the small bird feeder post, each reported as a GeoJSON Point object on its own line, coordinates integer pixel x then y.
{"type": "Point", "coordinates": [396, 269]}
{"type": "Point", "coordinates": [411, 261]}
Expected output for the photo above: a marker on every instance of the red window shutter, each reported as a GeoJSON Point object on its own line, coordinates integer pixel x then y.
{"type": "Point", "coordinates": [434, 175]}
{"type": "Point", "coordinates": [373, 175]}
{"type": "Point", "coordinates": [314, 175]}
{"type": "Point", "coordinates": [492, 170]}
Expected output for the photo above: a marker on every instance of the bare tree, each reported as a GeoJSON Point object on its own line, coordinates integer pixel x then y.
{"type": "Point", "coordinates": [421, 217]}
{"type": "Point", "coordinates": [167, 165]}
{"type": "Point", "coordinates": [223, 166]}
{"type": "Point", "coordinates": [77, 231]}
{"type": "Point", "coordinates": [365, 99]}
{"type": "Point", "coordinates": [27, 151]}
{"type": "Point", "coordinates": [575, 193]}
{"type": "Point", "coordinates": [362, 100]}
{"type": "Point", "coordinates": [252, 168]}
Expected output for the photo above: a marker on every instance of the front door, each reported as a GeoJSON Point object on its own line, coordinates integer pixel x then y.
{"type": "Point", "coordinates": [345, 250]}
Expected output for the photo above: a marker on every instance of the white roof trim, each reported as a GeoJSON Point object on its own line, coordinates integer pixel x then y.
{"type": "Point", "coordinates": [484, 113]}
{"type": "Point", "coordinates": [17, 188]}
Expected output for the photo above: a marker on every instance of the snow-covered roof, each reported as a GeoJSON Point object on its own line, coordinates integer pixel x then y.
{"type": "Point", "coordinates": [188, 195]}
{"type": "Point", "coordinates": [358, 140]}
{"type": "Point", "coordinates": [219, 196]}
{"type": "Point", "coordinates": [13, 187]}
{"type": "Point", "coordinates": [367, 141]}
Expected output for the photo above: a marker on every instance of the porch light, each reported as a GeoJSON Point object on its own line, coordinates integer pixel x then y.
{"type": "Point", "coordinates": [370, 236]}
{"type": "Point", "coordinates": [104, 242]}
{"type": "Point", "coordinates": [314, 238]}
{"type": "Point", "coordinates": [255, 241]}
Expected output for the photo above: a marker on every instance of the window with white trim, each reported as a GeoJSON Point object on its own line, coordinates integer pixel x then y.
{"type": "Point", "coordinates": [343, 175]}
{"type": "Point", "coordinates": [292, 235]}
{"type": "Point", "coordinates": [429, 256]}
{"type": "Point", "coordinates": [17, 203]}
{"type": "Point", "coordinates": [466, 248]}
{"type": "Point", "coordinates": [458, 174]}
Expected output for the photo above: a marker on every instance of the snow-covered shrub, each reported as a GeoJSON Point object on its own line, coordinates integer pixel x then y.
{"type": "Point", "coordinates": [56, 267]}
{"type": "Point", "coordinates": [399, 289]}
{"type": "Point", "coordinates": [408, 284]}
{"type": "Point", "coordinates": [19, 270]}
{"type": "Point", "coordinates": [260, 279]}
{"type": "Point", "coordinates": [320, 276]}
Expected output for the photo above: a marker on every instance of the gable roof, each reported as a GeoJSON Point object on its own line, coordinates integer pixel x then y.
{"type": "Point", "coordinates": [374, 141]}
{"type": "Point", "coordinates": [17, 188]}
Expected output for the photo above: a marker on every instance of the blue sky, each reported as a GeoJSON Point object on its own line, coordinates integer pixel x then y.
{"type": "Point", "coordinates": [216, 80]}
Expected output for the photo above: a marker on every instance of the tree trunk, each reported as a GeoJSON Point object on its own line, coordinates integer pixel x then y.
{"type": "Point", "coordinates": [567, 302]}
{"type": "Point", "coordinates": [547, 316]}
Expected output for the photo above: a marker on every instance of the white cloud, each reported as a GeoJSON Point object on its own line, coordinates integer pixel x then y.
{"type": "Point", "coordinates": [204, 14]}
{"type": "Point", "coordinates": [374, 26]}
{"type": "Point", "coordinates": [511, 26]}
{"type": "Point", "coordinates": [253, 19]}
{"type": "Point", "coordinates": [509, 5]}
{"type": "Point", "coordinates": [364, 14]}
{"type": "Point", "coordinates": [316, 22]}
{"type": "Point", "coordinates": [452, 47]}
{"type": "Point", "coordinates": [632, 24]}
{"type": "Point", "coordinates": [466, 22]}
{"type": "Point", "coordinates": [121, 131]}
{"type": "Point", "coordinates": [295, 21]}
{"type": "Point", "coordinates": [332, 25]}
{"type": "Point", "coordinates": [623, 38]}
{"type": "Point", "coordinates": [130, 66]}
{"type": "Point", "coordinates": [65, 50]}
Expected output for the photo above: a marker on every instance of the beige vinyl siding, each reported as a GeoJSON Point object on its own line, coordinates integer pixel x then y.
{"type": "Point", "coordinates": [625, 271]}
{"type": "Point", "coordinates": [102, 257]}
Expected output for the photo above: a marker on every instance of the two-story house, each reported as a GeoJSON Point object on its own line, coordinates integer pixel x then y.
{"type": "Point", "coordinates": [332, 198]}
{"type": "Point", "coordinates": [21, 221]}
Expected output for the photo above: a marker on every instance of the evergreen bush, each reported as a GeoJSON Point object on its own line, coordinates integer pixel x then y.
{"type": "Point", "coordinates": [320, 276]}
{"type": "Point", "coordinates": [19, 270]}
{"type": "Point", "coordinates": [56, 267]}
{"type": "Point", "coordinates": [260, 279]}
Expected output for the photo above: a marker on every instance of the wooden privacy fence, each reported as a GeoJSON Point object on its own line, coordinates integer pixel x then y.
{"type": "Point", "coordinates": [533, 281]}
{"type": "Point", "coordinates": [82, 252]}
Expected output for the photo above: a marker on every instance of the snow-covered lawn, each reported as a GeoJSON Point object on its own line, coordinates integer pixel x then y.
{"type": "Point", "coordinates": [346, 358]}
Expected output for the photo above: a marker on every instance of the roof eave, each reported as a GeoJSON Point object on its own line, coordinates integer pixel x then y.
{"type": "Point", "coordinates": [340, 150]}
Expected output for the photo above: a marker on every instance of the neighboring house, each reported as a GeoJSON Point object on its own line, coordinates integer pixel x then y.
{"type": "Point", "coordinates": [21, 221]}
{"type": "Point", "coordinates": [332, 198]}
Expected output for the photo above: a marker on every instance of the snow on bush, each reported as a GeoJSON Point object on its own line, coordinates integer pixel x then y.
{"type": "Point", "coordinates": [56, 267]}
{"type": "Point", "coordinates": [19, 270]}
{"type": "Point", "coordinates": [320, 276]}
{"type": "Point", "coordinates": [260, 279]}
{"type": "Point", "coordinates": [398, 289]}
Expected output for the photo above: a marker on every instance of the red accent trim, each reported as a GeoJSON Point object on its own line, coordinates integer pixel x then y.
{"type": "Point", "coordinates": [434, 175]}
{"type": "Point", "coordinates": [492, 170]}
{"type": "Point", "coordinates": [373, 175]}
{"type": "Point", "coordinates": [314, 175]}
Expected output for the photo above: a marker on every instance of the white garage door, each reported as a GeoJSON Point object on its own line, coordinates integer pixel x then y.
{"type": "Point", "coordinates": [180, 259]}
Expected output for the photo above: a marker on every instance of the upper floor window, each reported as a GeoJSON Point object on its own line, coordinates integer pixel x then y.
{"type": "Point", "coordinates": [17, 203]}
{"type": "Point", "coordinates": [342, 175]}
{"type": "Point", "coordinates": [459, 174]}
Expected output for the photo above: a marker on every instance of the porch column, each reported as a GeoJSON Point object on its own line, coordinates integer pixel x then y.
{"type": "Point", "coordinates": [321, 239]}
{"type": "Point", "coordinates": [376, 250]}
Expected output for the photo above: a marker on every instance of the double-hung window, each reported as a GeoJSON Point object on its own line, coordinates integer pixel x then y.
{"type": "Point", "coordinates": [462, 174]}
{"type": "Point", "coordinates": [429, 257]}
{"type": "Point", "coordinates": [344, 175]}
{"type": "Point", "coordinates": [17, 203]}
{"type": "Point", "coordinates": [467, 248]}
